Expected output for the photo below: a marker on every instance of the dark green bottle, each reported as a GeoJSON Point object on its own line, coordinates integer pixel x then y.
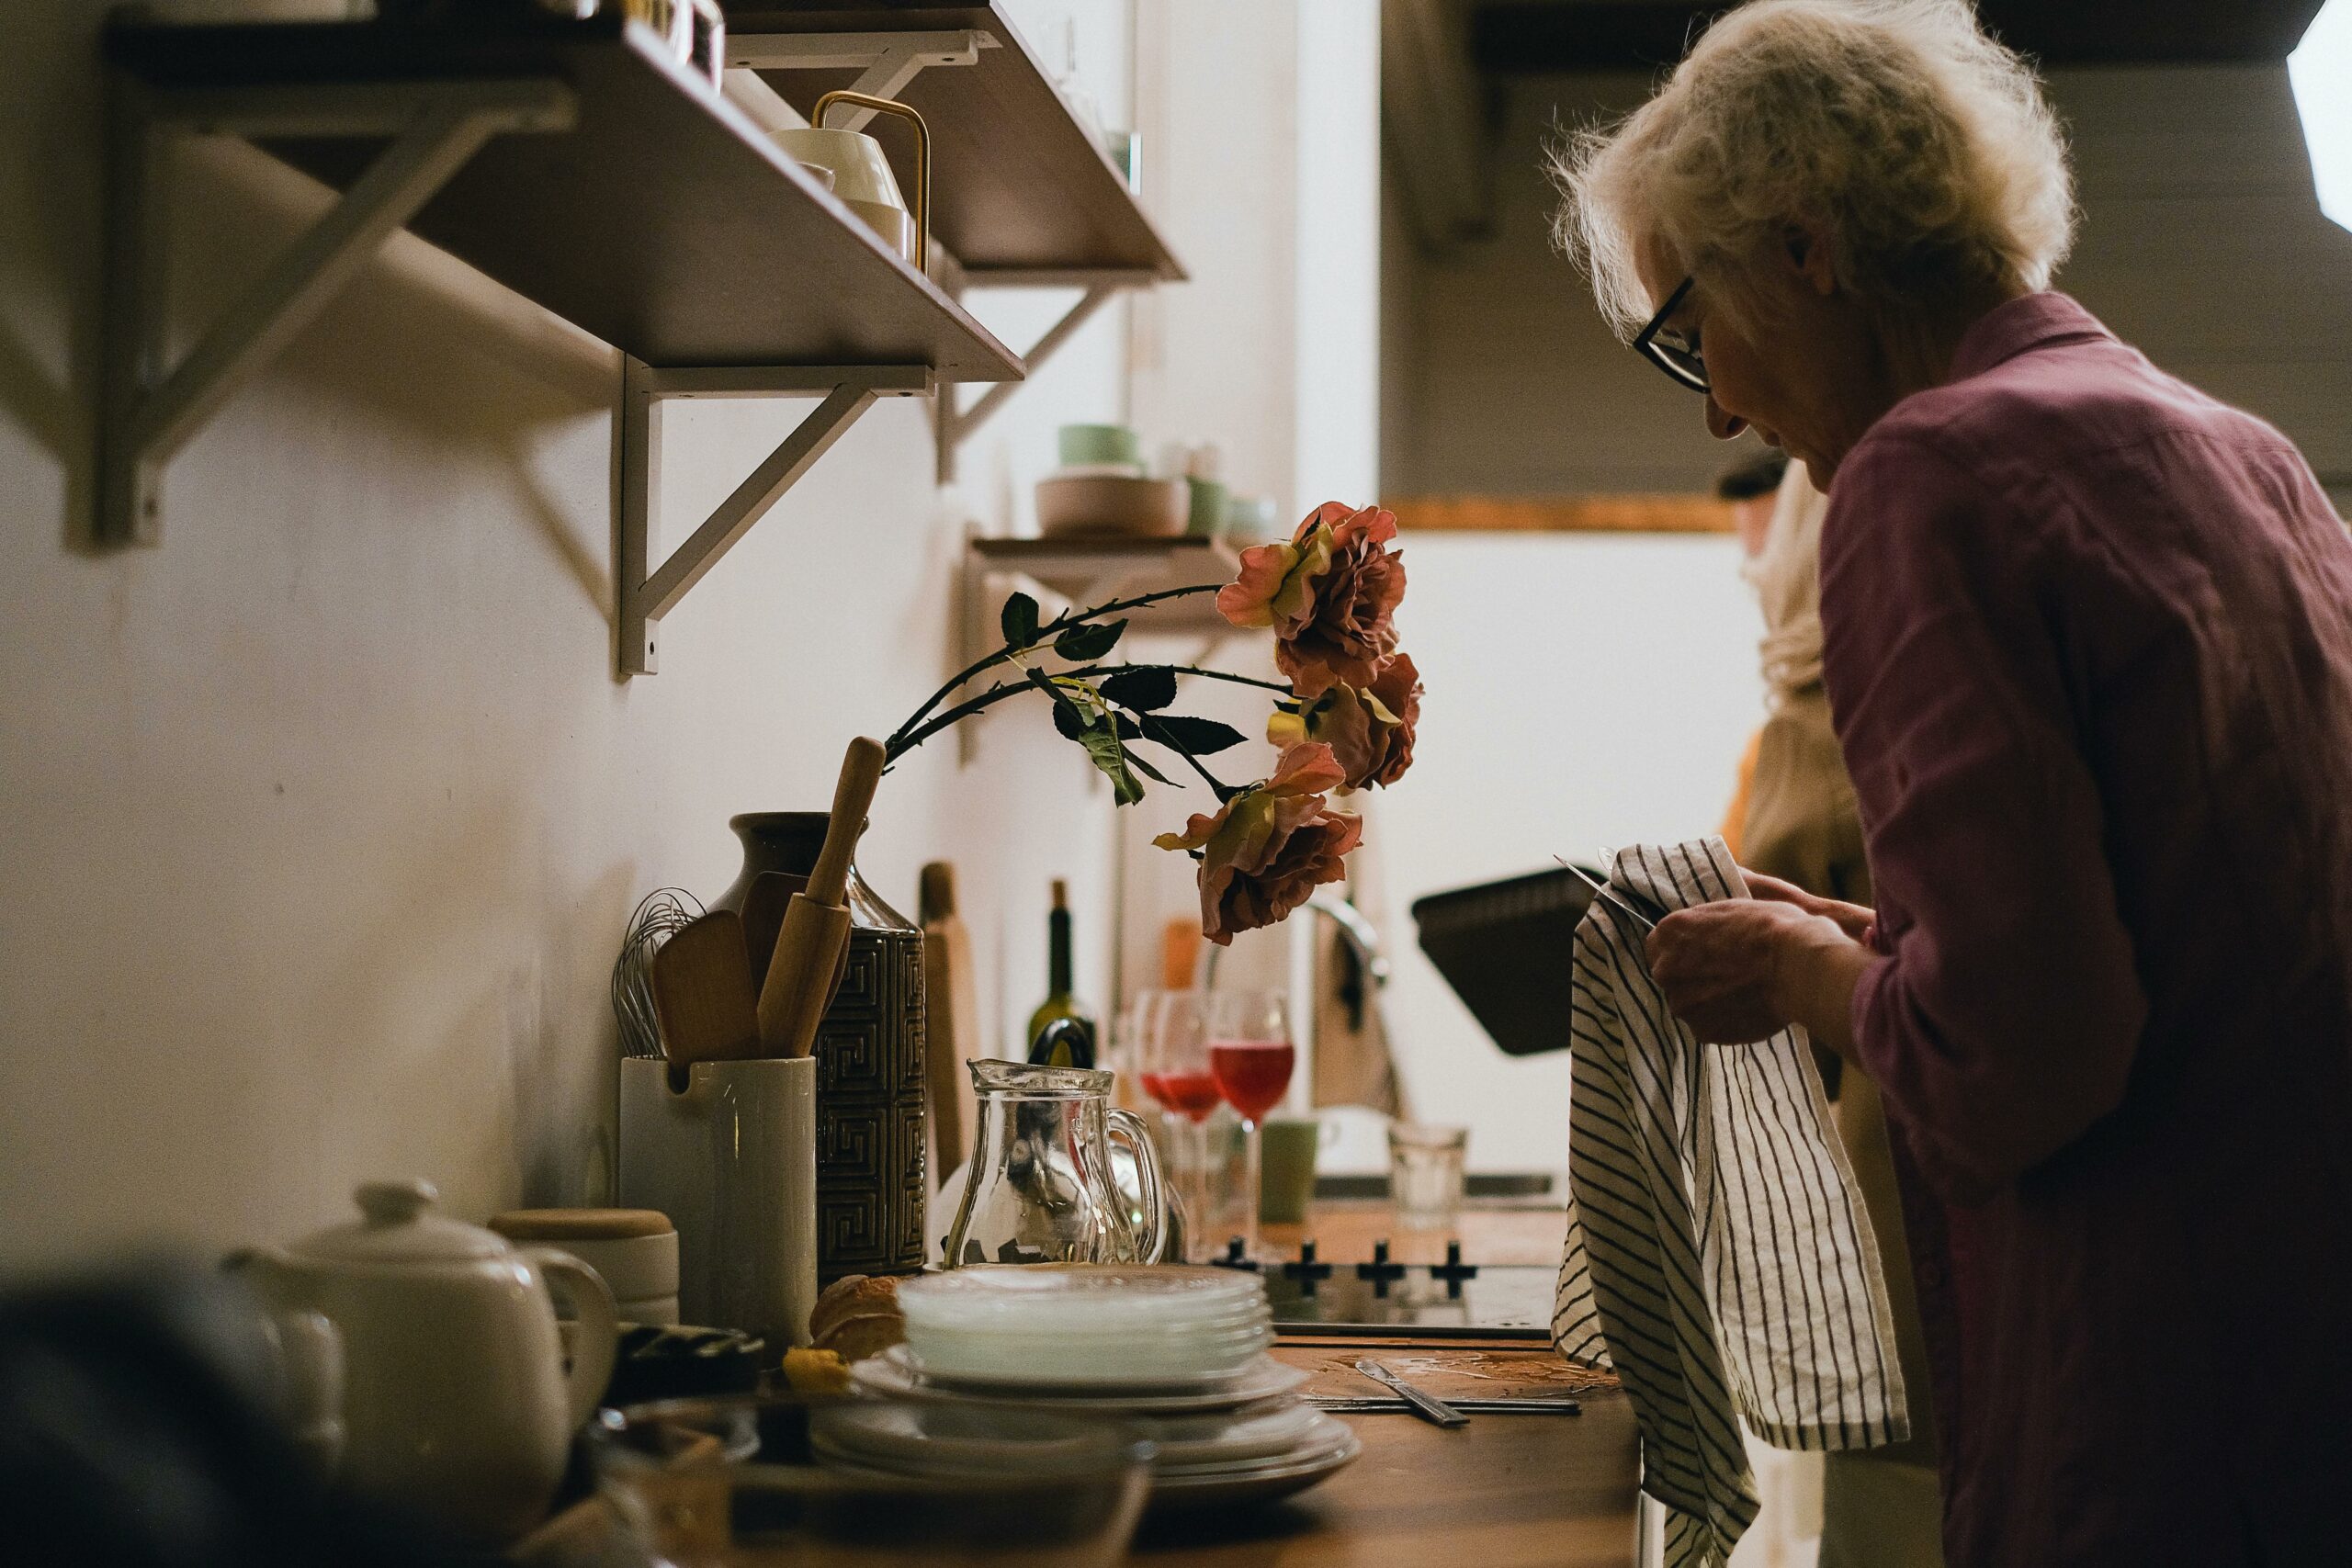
{"type": "Point", "coordinates": [1061, 1031]}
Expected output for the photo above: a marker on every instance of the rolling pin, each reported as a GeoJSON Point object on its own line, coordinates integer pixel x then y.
{"type": "Point", "coordinates": [810, 943]}
{"type": "Point", "coordinates": [950, 980]}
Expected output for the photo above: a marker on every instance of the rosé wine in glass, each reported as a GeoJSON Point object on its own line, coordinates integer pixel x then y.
{"type": "Point", "coordinates": [1251, 1056]}
{"type": "Point", "coordinates": [1191, 1094]}
{"type": "Point", "coordinates": [1252, 1075]}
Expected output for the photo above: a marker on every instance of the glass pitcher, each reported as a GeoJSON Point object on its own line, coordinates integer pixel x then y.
{"type": "Point", "coordinates": [1040, 1186]}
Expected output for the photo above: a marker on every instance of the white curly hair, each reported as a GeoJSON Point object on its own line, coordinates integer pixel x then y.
{"type": "Point", "coordinates": [1923, 147]}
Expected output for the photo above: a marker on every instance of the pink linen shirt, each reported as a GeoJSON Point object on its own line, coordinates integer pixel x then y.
{"type": "Point", "coordinates": [2088, 644]}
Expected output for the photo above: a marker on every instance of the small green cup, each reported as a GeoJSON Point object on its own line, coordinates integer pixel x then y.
{"type": "Point", "coordinates": [1287, 1169]}
{"type": "Point", "coordinates": [1084, 445]}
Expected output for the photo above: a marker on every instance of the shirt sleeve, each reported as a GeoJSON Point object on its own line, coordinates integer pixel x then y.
{"type": "Point", "coordinates": [2003, 1021]}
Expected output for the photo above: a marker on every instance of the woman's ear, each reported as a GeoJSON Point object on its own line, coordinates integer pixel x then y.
{"type": "Point", "coordinates": [1809, 252]}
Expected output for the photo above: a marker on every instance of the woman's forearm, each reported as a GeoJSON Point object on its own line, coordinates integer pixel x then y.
{"type": "Point", "coordinates": [1813, 983]}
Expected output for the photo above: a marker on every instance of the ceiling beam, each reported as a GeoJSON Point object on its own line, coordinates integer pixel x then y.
{"type": "Point", "coordinates": [1516, 37]}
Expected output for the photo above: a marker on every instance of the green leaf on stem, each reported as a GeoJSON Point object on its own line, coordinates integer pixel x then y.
{"type": "Point", "coordinates": [1112, 758]}
{"type": "Point", "coordinates": [1145, 688]}
{"type": "Point", "coordinates": [1148, 771]}
{"type": "Point", "coordinates": [1097, 735]}
{"type": "Point", "coordinates": [1018, 621]}
{"type": "Point", "coordinates": [1193, 736]}
{"type": "Point", "coordinates": [1090, 641]}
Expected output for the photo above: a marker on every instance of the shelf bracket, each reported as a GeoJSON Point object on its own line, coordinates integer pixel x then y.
{"type": "Point", "coordinates": [646, 593]}
{"type": "Point", "coordinates": [149, 411]}
{"type": "Point", "coordinates": [889, 60]}
{"type": "Point", "coordinates": [953, 425]}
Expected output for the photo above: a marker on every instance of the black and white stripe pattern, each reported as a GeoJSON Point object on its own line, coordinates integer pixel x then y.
{"type": "Point", "coordinates": [1717, 1258]}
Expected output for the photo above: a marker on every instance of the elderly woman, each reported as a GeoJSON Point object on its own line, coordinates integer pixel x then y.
{"type": "Point", "coordinates": [2088, 642]}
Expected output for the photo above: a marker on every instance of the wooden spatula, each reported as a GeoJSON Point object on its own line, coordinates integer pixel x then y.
{"type": "Point", "coordinates": [702, 992]}
{"type": "Point", "coordinates": [815, 934]}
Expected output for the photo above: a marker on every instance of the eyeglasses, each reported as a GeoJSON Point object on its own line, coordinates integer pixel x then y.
{"type": "Point", "coordinates": [1670, 351]}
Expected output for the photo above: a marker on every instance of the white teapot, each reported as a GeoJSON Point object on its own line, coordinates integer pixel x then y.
{"type": "Point", "coordinates": [455, 1398]}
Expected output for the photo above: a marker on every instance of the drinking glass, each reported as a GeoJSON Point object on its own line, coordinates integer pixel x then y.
{"type": "Point", "coordinates": [1425, 1174]}
{"type": "Point", "coordinates": [1251, 1056]}
{"type": "Point", "coordinates": [1172, 1057]}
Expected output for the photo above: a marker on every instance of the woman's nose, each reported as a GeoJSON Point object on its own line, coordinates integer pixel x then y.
{"type": "Point", "coordinates": [1722, 426]}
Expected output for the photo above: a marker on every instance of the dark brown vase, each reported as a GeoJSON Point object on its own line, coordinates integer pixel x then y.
{"type": "Point", "coordinates": [870, 1124]}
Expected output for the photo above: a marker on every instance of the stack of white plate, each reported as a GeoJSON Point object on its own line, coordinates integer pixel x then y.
{"type": "Point", "coordinates": [1103, 1324]}
{"type": "Point", "coordinates": [1178, 1354]}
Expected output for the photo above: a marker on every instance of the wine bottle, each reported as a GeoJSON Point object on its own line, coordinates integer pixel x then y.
{"type": "Point", "coordinates": [1067, 1047]}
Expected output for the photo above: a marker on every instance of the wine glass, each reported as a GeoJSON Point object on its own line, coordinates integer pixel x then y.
{"type": "Point", "coordinates": [1173, 1062]}
{"type": "Point", "coordinates": [1251, 1056]}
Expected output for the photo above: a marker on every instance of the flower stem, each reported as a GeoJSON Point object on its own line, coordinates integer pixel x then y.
{"type": "Point", "coordinates": [1046, 634]}
{"type": "Point", "coordinates": [911, 735]}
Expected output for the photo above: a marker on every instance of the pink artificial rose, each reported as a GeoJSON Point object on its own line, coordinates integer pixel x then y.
{"type": "Point", "coordinates": [1330, 596]}
{"type": "Point", "coordinates": [1370, 729]}
{"type": "Point", "coordinates": [1270, 847]}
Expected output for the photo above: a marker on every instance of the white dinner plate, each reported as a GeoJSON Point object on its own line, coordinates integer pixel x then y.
{"type": "Point", "coordinates": [1319, 1436]}
{"type": "Point", "coordinates": [896, 1372]}
{"type": "Point", "coordinates": [1077, 1297]}
{"type": "Point", "coordinates": [1172, 1494]}
{"type": "Point", "coordinates": [1069, 1376]}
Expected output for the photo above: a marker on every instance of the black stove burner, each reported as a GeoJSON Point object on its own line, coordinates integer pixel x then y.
{"type": "Point", "coordinates": [1380, 1271]}
{"type": "Point", "coordinates": [1384, 1299]}
{"type": "Point", "coordinates": [1307, 1273]}
{"type": "Point", "coordinates": [1454, 1271]}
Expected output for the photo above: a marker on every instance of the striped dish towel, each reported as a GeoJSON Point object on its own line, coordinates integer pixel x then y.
{"type": "Point", "coordinates": [1718, 1258]}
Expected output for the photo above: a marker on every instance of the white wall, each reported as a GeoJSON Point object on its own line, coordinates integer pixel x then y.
{"type": "Point", "coordinates": [319, 824]}
{"type": "Point", "coordinates": [1584, 690]}
{"type": "Point", "coordinates": [1247, 185]}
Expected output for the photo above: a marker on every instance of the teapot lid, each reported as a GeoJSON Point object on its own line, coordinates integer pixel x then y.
{"type": "Point", "coordinates": [397, 1229]}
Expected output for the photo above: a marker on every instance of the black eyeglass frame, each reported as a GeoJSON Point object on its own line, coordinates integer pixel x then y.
{"type": "Point", "coordinates": [1693, 374]}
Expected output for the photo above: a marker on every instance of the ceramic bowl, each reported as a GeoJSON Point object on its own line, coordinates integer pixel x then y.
{"type": "Point", "coordinates": [1080, 444]}
{"type": "Point", "coordinates": [1111, 504]}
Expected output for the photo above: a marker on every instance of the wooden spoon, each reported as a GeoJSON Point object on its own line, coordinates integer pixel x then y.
{"type": "Point", "coordinates": [703, 998]}
{"type": "Point", "coordinates": [815, 935]}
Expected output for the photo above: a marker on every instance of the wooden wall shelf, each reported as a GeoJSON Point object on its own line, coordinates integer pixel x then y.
{"type": "Point", "coordinates": [665, 222]}
{"type": "Point", "coordinates": [1017, 183]}
{"type": "Point", "coordinates": [1090, 570]}
{"type": "Point", "coordinates": [1022, 195]}
{"type": "Point", "coordinates": [578, 162]}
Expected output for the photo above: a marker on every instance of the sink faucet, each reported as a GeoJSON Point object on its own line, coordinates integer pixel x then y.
{"type": "Point", "coordinates": [1362, 940]}
{"type": "Point", "coordinates": [1359, 932]}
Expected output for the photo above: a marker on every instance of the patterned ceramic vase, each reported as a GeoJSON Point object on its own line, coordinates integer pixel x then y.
{"type": "Point", "coordinates": [870, 1122]}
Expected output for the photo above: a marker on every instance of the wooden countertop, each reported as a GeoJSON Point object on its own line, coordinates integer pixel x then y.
{"type": "Point", "coordinates": [1503, 1492]}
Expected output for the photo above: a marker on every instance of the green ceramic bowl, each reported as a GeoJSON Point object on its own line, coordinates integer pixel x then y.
{"type": "Point", "coordinates": [1086, 443]}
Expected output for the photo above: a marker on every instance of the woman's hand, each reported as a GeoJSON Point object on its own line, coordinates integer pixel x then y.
{"type": "Point", "coordinates": [1854, 919]}
{"type": "Point", "coordinates": [1739, 969]}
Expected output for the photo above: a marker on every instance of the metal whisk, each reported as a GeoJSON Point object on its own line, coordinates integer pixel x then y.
{"type": "Point", "coordinates": [662, 912]}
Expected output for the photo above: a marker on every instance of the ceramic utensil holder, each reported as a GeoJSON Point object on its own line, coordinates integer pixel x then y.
{"type": "Point", "coordinates": [871, 1131]}
{"type": "Point", "coordinates": [731, 1159]}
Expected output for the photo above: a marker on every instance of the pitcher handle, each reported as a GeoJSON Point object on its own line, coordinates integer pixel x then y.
{"type": "Point", "coordinates": [599, 1336]}
{"type": "Point", "coordinates": [1127, 1124]}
